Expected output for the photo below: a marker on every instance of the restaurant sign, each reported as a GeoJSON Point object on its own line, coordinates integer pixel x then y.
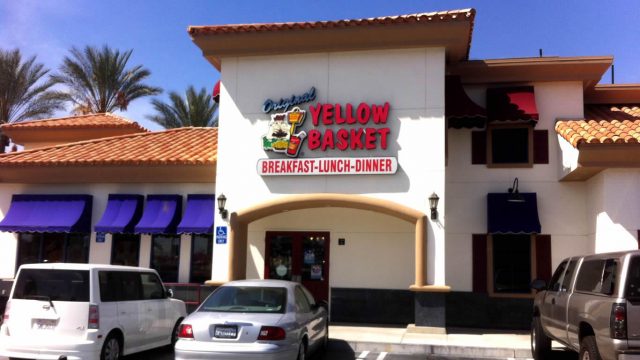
{"type": "Point", "coordinates": [348, 128]}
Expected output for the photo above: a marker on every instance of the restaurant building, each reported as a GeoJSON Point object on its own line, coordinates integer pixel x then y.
{"type": "Point", "coordinates": [371, 160]}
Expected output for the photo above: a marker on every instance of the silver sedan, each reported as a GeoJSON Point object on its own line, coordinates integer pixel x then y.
{"type": "Point", "coordinates": [254, 319]}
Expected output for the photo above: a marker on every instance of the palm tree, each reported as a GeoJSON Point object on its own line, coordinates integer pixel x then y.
{"type": "Point", "coordinates": [196, 109]}
{"type": "Point", "coordinates": [98, 80]}
{"type": "Point", "coordinates": [23, 95]}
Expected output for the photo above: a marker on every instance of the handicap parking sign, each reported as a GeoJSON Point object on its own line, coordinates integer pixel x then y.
{"type": "Point", "coordinates": [221, 234]}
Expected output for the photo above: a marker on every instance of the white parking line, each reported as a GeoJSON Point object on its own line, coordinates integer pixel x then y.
{"type": "Point", "coordinates": [382, 356]}
{"type": "Point", "coordinates": [363, 355]}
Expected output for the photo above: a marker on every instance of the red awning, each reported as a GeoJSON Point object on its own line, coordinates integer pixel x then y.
{"type": "Point", "coordinates": [216, 92]}
{"type": "Point", "coordinates": [512, 104]}
{"type": "Point", "coordinates": [459, 109]}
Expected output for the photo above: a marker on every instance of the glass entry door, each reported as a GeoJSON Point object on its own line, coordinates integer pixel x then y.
{"type": "Point", "coordinates": [301, 257]}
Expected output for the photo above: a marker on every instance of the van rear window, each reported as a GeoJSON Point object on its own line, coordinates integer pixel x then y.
{"type": "Point", "coordinates": [54, 285]}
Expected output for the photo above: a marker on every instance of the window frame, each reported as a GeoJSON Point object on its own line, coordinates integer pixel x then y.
{"type": "Point", "coordinates": [193, 247]}
{"type": "Point", "coordinates": [490, 273]}
{"type": "Point", "coordinates": [113, 248]}
{"type": "Point", "coordinates": [40, 238]}
{"type": "Point", "coordinates": [153, 252]}
{"type": "Point", "coordinates": [489, 145]}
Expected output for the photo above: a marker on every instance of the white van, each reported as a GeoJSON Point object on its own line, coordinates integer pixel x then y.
{"type": "Point", "coordinates": [87, 311]}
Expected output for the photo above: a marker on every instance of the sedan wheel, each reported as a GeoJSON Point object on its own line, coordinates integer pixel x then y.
{"type": "Point", "coordinates": [110, 349]}
{"type": "Point", "coordinates": [302, 351]}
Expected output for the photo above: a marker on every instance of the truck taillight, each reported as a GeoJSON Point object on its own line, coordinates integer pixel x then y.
{"type": "Point", "coordinates": [94, 317]}
{"type": "Point", "coordinates": [5, 317]}
{"type": "Point", "coordinates": [619, 321]}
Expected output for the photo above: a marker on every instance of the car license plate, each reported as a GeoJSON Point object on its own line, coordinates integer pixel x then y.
{"type": "Point", "coordinates": [44, 324]}
{"type": "Point", "coordinates": [225, 332]}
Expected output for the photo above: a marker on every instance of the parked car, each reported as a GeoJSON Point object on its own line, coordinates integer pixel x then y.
{"type": "Point", "coordinates": [87, 311]}
{"type": "Point", "coordinates": [254, 319]}
{"type": "Point", "coordinates": [592, 306]}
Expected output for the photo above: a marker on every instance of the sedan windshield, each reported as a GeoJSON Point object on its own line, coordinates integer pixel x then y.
{"type": "Point", "coordinates": [246, 299]}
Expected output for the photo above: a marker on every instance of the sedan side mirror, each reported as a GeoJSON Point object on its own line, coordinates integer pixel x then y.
{"type": "Point", "coordinates": [169, 293]}
{"type": "Point", "coordinates": [539, 285]}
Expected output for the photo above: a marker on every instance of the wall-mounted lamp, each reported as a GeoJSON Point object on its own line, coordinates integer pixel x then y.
{"type": "Point", "coordinates": [222, 201]}
{"type": "Point", "coordinates": [433, 205]}
{"type": "Point", "coordinates": [515, 195]}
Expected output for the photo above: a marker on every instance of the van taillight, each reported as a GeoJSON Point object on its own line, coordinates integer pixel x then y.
{"type": "Point", "coordinates": [5, 317]}
{"type": "Point", "coordinates": [271, 333]}
{"type": "Point", "coordinates": [619, 321]}
{"type": "Point", "coordinates": [185, 331]}
{"type": "Point", "coordinates": [94, 317]}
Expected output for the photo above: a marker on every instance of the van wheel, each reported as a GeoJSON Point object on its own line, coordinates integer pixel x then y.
{"type": "Point", "coordinates": [302, 351]}
{"type": "Point", "coordinates": [111, 349]}
{"type": "Point", "coordinates": [175, 332]}
{"type": "Point", "coordinates": [589, 349]}
{"type": "Point", "coordinates": [540, 342]}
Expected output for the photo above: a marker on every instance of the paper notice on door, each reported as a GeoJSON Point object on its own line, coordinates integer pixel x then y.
{"type": "Point", "coordinates": [316, 272]}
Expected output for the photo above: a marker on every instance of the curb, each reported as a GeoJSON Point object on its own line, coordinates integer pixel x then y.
{"type": "Point", "coordinates": [432, 351]}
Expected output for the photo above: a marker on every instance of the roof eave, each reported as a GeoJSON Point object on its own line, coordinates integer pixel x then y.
{"type": "Point", "coordinates": [454, 34]}
{"type": "Point", "coordinates": [588, 69]}
{"type": "Point", "coordinates": [613, 94]}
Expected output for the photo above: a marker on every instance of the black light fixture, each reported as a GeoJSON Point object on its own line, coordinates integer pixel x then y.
{"type": "Point", "coordinates": [515, 196]}
{"type": "Point", "coordinates": [433, 205]}
{"type": "Point", "coordinates": [222, 201]}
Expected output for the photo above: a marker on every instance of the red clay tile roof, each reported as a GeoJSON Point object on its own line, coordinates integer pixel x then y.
{"type": "Point", "coordinates": [182, 146]}
{"type": "Point", "coordinates": [102, 120]}
{"type": "Point", "coordinates": [453, 15]}
{"type": "Point", "coordinates": [603, 124]}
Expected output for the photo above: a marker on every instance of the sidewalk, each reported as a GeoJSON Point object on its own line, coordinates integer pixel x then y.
{"type": "Point", "coordinates": [464, 343]}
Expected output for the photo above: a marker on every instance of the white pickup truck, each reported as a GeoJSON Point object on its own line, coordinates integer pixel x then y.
{"type": "Point", "coordinates": [592, 306]}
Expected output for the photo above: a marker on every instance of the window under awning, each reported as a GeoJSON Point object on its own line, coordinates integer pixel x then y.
{"type": "Point", "coordinates": [198, 215]}
{"type": "Point", "coordinates": [121, 215]}
{"type": "Point", "coordinates": [506, 216]}
{"type": "Point", "coordinates": [161, 215]}
{"type": "Point", "coordinates": [512, 104]}
{"type": "Point", "coordinates": [48, 213]}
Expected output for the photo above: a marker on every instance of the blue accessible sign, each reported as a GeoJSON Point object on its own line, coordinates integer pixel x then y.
{"type": "Point", "coordinates": [221, 234]}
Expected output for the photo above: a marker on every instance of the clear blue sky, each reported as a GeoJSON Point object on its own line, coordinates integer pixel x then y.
{"type": "Point", "coordinates": [156, 30]}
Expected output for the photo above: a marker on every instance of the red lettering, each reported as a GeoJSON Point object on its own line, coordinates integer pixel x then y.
{"type": "Point", "coordinates": [271, 170]}
{"type": "Point", "coordinates": [384, 132]}
{"type": "Point", "coordinates": [356, 139]}
{"type": "Point", "coordinates": [370, 138]}
{"type": "Point", "coordinates": [327, 113]}
{"type": "Point", "coordinates": [314, 139]}
{"type": "Point", "coordinates": [363, 113]}
{"type": "Point", "coordinates": [388, 161]}
{"type": "Point", "coordinates": [380, 113]}
{"type": "Point", "coordinates": [327, 140]}
{"type": "Point", "coordinates": [315, 113]}
{"type": "Point", "coordinates": [264, 167]}
{"type": "Point", "coordinates": [350, 118]}
{"type": "Point", "coordinates": [339, 118]}
{"type": "Point", "coordinates": [343, 139]}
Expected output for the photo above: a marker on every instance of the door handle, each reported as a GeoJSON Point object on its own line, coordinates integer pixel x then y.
{"type": "Point", "coordinates": [553, 301]}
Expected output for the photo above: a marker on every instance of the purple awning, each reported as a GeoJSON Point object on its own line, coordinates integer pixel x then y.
{"type": "Point", "coordinates": [48, 213]}
{"type": "Point", "coordinates": [198, 215]}
{"type": "Point", "coordinates": [121, 215]}
{"type": "Point", "coordinates": [512, 214]}
{"type": "Point", "coordinates": [161, 215]}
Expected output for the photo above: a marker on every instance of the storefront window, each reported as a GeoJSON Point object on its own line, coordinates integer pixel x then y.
{"type": "Point", "coordinates": [52, 247]}
{"type": "Point", "coordinates": [125, 249]}
{"type": "Point", "coordinates": [201, 255]}
{"type": "Point", "coordinates": [165, 256]}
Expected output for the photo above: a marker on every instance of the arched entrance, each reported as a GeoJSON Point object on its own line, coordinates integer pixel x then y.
{"type": "Point", "coordinates": [239, 223]}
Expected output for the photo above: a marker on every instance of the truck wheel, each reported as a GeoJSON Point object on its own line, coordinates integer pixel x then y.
{"type": "Point", "coordinates": [589, 349]}
{"type": "Point", "coordinates": [540, 342]}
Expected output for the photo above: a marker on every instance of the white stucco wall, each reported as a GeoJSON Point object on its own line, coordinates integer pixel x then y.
{"type": "Point", "coordinates": [614, 210]}
{"type": "Point", "coordinates": [412, 81]}
{"type": "Point", "coordinates": [378, 251]}
{"type": "Point", "coordinates": [561, 205]}
{"type": "Point", "coordinates": [98, 252]}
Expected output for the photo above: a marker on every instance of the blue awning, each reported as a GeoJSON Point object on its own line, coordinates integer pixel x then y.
{"type": "Point", "coordinates": [48, 213]}
{"type": "Point", "coordinates": [161, 215]}
{"type": "Point", "coordinates": [509, 217]}
{"type": "Point", "coordinates": [122, 213]}
{"type": "Point", "coordinates": [198, 215]}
